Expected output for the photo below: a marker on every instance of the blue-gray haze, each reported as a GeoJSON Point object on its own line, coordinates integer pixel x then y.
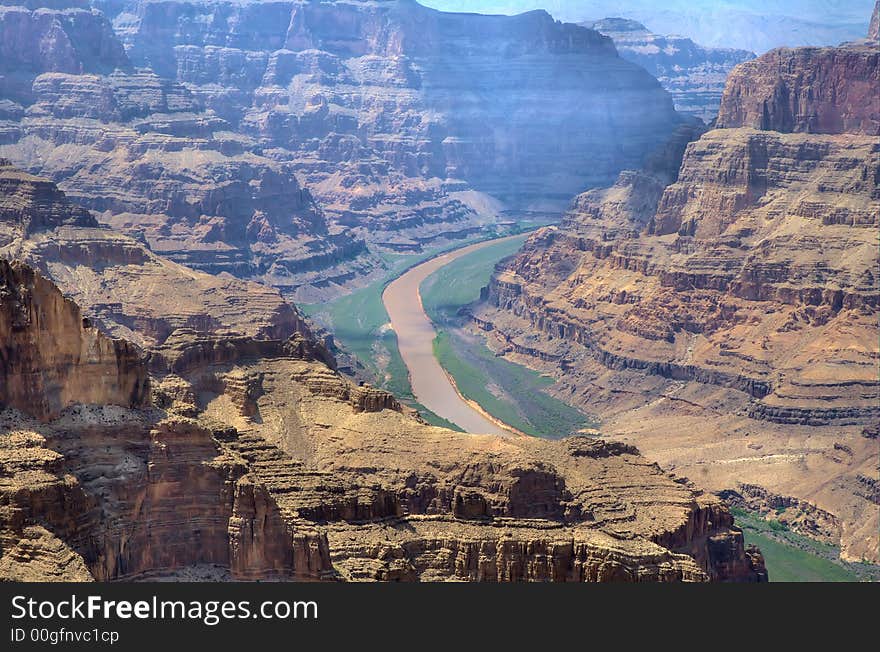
{"type": "Point", "coordinates": [756, 25]}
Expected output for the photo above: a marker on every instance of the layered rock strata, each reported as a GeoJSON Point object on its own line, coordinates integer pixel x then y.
{"type": "Point", "coordinates": [806, 90]}
{"type": "Point", "coordinates": [127, 290]}
{"type": "Point", "coordinates": [724, 314]}
{"type": "Point", "coordinates": [278, 468]}
{"type": "Point", "coordinates": [146, 156]}
{"type": "Point", "coordinates": [507, 104]}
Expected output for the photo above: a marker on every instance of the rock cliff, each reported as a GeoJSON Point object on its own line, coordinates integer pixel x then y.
{"type": "Point", "coordinates": [723, 313]}
{"type": "Point", "coordinates": [694, 75]}
{"type": "Point", "coordinates": [806, 90]}
{"type": "Point", "coordinates": [53, 358]}
{"type": "Point", "coordinates": [70, 38]}
{"type": "Point", "coordinates": [874, 28]}
{"type": "Point", "coordinates": [251, 458]}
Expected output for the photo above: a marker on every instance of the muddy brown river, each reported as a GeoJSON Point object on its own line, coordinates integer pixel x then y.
{"type": "Point", "coordinates": [415, 337]}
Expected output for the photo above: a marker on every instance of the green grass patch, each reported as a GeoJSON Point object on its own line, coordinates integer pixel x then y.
{"type": "Point", "coordinates": [508, 391]}
{"type": "Point", "coordinates": [358, 324]}
{"type": "Point", "coordinates": [786, 563]}
{"type": "Point", "coordinates": [789, 556]}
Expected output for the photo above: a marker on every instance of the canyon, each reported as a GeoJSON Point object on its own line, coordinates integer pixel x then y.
{"type": "Point", "coordinates": [718, 308]}
{"type": "Point", "coordinates": [293, 143]}
{"type": "Point", "coordinates": [223, 447]}
{"type": "Point", "coordinates": [176, 174]}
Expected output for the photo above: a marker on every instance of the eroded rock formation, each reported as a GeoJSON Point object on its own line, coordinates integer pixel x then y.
{"type": "Point", "coordinates": [276, 468]}
{"type": "Point", "coordinates": [722, 314]}
{"type": "Point", "coordinates": [53, 358]}
{"type": "Point", "coordinates": [505, 103]}
{"type": "Point", "coordinates": [127, 290]}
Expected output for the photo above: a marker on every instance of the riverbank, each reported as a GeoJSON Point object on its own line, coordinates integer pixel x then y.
{"type": "Point", "coordinates": [510, 392]}
{"type": "Point", "coordinates": [415, 334]}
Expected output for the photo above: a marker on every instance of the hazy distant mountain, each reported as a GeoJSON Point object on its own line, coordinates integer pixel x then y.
{"type": "Point", "coordinates": [693, 74]}
{"type": "Point", "coordinates": [756, 25]}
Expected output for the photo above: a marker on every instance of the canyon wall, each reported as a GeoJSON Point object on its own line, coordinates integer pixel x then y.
{"type": "Point", "coordinates": [146, 156]}
{"type": "Point", "coordinates": [806, 90]}
{"type": "Point", "coordinates": [694, 75]}
{"type": "Point", "coordinates": [874, 27]}
{"type": "Point", "coordinates": [489, 100]}
{"type": "Point", "coordinates": [722, 313]}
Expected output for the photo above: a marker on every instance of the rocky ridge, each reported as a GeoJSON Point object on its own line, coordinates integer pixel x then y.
{"type": "Point", "coordinates": [723, 313]}
{"type": "Point", "coordinates": [127, 290]}
{"type": "Point", "coordinates": [252, 458]}
{"type": "Point", "coordinates": [694, 75]}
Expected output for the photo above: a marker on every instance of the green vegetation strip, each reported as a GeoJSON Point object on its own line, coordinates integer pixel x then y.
{"type": "Point", "coordinates": [359, 322]}
{"type": "Point", "coordinates": [510, 392]}
{"type": "Point", "coordinates": [791, 557]}
{"type": "Point", "coordinates": [458, 283]}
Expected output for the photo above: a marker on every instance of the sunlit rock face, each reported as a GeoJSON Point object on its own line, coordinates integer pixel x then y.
{"type": "Point", "coordinates": [807, 90]}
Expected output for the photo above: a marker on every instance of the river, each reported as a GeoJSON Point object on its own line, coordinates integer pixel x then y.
{"type": "Point", "coordinates": [415, 339]}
